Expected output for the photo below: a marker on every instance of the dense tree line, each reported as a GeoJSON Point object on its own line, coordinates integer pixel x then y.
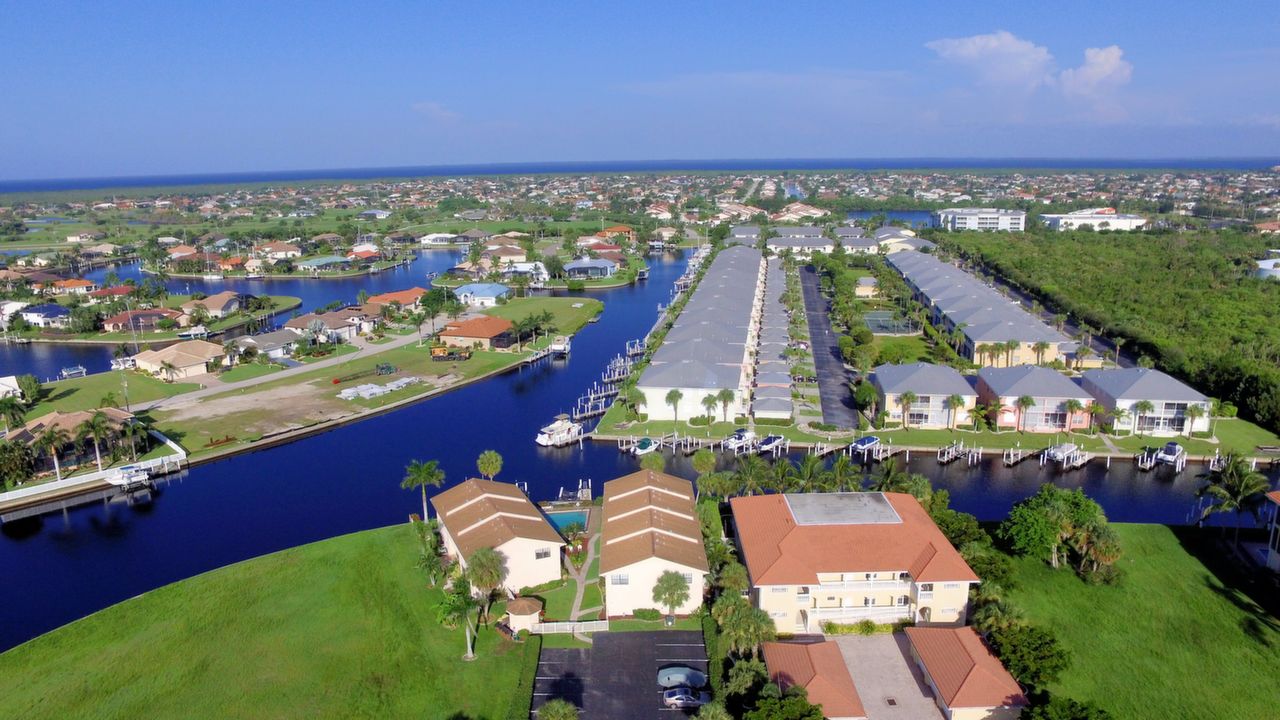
{"type": "Point", "coordinates": [1188, 301]}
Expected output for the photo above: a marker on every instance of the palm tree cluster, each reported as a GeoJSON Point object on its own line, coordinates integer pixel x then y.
{"type": "Point", "coordinates": [533, 325]}
{"type": "Point", "coordinates": [1234, 487]}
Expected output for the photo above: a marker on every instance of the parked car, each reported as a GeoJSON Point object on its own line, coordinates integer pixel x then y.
{"type": "Point", "coordinates": [681, 676]}
{"type": "Point", "coordinates": [684, 697]}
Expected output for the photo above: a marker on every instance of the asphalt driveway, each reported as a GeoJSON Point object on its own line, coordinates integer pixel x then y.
{"type": "Point", "coordinates": [833, 378]}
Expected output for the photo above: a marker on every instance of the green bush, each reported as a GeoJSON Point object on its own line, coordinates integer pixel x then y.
{"type": "Point", "coordinates": [576, 285]}
{"type": "Point", "coordinates": [775, 422]}
{"type": "Point", "coordinates": [700, 421]}
{"type": "Point", "coordinates": [865, 627]}
{"type": "Point", "coordinates": [824, 426]}
{"type": "Point", "coordinates": [715, 654]}
{"type": "Point", "coordinates": [648, 614]}
{"type": "Point", "coordinates": [522, 699]}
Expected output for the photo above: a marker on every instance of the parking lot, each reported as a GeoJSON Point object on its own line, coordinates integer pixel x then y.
{"type": "Point", "coordinates": [833, 377]}
{"type": "Point", "coordinates": [617, 676]}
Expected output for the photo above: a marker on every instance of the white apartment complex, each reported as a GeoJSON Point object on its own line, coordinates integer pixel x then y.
{"type": "Point", "coordinates": [994, 219]}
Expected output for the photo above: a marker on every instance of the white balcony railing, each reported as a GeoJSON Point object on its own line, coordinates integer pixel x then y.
{"type": "Point", "coordinates": [903, 586]}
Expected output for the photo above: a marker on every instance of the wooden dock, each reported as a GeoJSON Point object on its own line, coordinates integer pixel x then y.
{"type": "Point", "coordinates": [1013, 456]}
{"type": "Point", "coordinates": [61, 495]}
{"type": "Point", "coordinates": [950, 453]}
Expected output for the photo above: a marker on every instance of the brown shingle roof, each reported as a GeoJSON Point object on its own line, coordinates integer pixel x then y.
{"type": "Point", "coordinates": [485, 326]}
{"type": "Point", "coordinates": [820, 669]}
{"type": "Point", "coordinates": [963, 668]}
{"type": "Point", "coordinates": [650, 514]}
{"type": "Point", "coordinates": [778, 551]}
{"type": "Point", "coordinates": [484, 513]}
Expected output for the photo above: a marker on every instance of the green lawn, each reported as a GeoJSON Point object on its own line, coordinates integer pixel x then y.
{"type": "Point", "coordinates": [633, 625]}
{"type": "Point", "coordinates": [559, 601]}
{"type": "Point", "coordinates": [343, 628]}
{"type": "Point", "coordinates": [87, 392]}
{"type": "Point", "coordinates": [1169, 642]}
{"type": "Point", "coordinates": [591, 597]}
{"type": "Point", "coordinates": [568, 319]}
{"type": "Point", "coordinates": [336, 351]}
{"type": "Point", "coordinates": [248, 371]}
{"type": "Point", "coordinates": [913, 348]}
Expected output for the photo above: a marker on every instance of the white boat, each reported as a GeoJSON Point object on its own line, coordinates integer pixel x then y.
{"type": "Point", "coordinates": [561, 432]}
{"type": "Point", "coordinates": [1058, 453]}
{"type": "Point", "coordinates": [771, 443]}
{"type": "Point", "coordinates": [1170, 454]}
{"type": "Point", "coordinates": [123, 363]}
{"type": "Point", "coordinates": [740, 438]}
{"type": "Point", "coordinates": [253, 276]}
{"type": "Point", "coordinates": [644, 446]}
{"type": "Point", "coordinates": [75, 371]}
{"type": "Point", "coordinates": [130, 478]}
{"type": "Point", "coordinates": [561, 345]}
{"type": "Point", "coordinates": [212, 276]}
{"type": "Point", "coordinates": [194, 332]}
{"type": "Point", "coordinates": [864, 443]}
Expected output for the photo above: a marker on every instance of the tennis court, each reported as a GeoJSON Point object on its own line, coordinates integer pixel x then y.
{"type": "Point", "coordinates": [888, 322]}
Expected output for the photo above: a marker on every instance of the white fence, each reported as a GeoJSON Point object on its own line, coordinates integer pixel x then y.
{"type": "Point", "coordinates": [556, 628]}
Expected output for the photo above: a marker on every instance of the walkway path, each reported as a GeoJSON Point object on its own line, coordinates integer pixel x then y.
{"type": "Point", "coordinates": [833, 378]}
{"type": "Point", "coordinates": [580, 575]}
{"type": "Point", "coordinates": [364, 349]}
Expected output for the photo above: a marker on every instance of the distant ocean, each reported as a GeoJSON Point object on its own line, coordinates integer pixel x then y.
{"type": "Point", "coordinates": [633, 166]}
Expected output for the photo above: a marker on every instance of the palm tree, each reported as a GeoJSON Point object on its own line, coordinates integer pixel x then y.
{"type": "Point", "coordinates": [1097, 415]}
{"type": "Point", "coordinates": [131, 432]}
{"type": "Point", "coordinates": [1192, 414]}
{"type": "Point", "coordinates": [1119, 343]}
{"type": "Point", "coordinates": [98, 427]}
{"type": "Point", "coordinates": [671, 591]}
{"type": "Point", "coordinates": [168, 369]}
{"type": "Point", "coordinates": [904, 401]}
{"type": "Point", "coordinates": [1010, 348]}
{"type": "Point", "coordinates": [1040, 347]}
{"type": "Point", "coordinates": [726, 398]}
{"type": "Point", "coordinates": [954, 403]}
{"type": "Point", "coordinates": [751, 474]}
{"type": "Point", "coordinates": [1140, 408]}
{"type": "Point", "coordinates": [421, 474]}
{"type": "Point", "coordinates": [457, 606]}
{"type": "Point", "coordinates": [890, 477]}
{"type": "Point", "coordinates": [52, 441]}
{"type": "Point", "coordinates": [709, 404]}
{"type": "Point", "coordinates": [1234, 487]}
{"type": "Point", "coordinates": [1073, 407]}
{"type": "Point", "coordinates": [745, 628]}
{"type": "Point", "coordinates": [808, 473]}
{"type": "Point", "coordinates": [841, 474]}
{"type": "Point", "coordinates": [977, 413]}
{"type": "Point", "coordinates": [1023, 403]}
{"type": "Point", "coordinates": [673, 399]}
{"type": "Point", "coordinates": [487, 570]}
{"type": "Point", "coordinates": [11, 412]}
{"type": "Point", "coordinates": [1082, 353]}
{"type": "Point", "coordinates": [489, 464]}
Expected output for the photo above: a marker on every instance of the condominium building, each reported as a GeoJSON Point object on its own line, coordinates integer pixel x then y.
{"type": "Point", "coordinates": [932, 388]}
{"type": "Point", "coordinates": [846, 557]}
{"type": "Point", "coordinates": [650, 527]}
{"type": "Point", "coordinates": [1094, 219]}
{"type": "Point", "coordinates": [1050, 393]}
{"type": "Point", "coordinates": [981, 219]}
{"type": "Point", "coordinates": [1120, 390]}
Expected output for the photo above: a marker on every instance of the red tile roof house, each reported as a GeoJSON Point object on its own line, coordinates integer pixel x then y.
{"type": "Point", "coordinates": [967, 680]}
{"type": "Point", "coordinates": [278, 250]}
{"type": "Point", "coordinates": [820, 669]}
{"type": "Point", "coordinates": [74, 286]}
{"type": "Point", "coordinates": [405, 298]}
{"type": "Point", "coordinates": [484, 332]}
{"type": "Point", "coordinates": [364, 255]}
{"type": "Point", "coordinates": [111, 293]}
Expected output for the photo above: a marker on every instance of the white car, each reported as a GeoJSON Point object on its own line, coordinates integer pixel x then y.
{"type": "Point", "coordinates": [685, 697]}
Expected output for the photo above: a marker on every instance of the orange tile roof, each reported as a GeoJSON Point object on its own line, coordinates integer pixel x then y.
{"type": "Point", "coordinates": [404, 297]}
{"type": "Point", "coordinates": [820, 669]}
{"type": "Point", "coordinates": [779, 551]}
{"type": "Point", "coordinates": [650, 514]}
{"type": "Point", "coordinates": [963, 668]}
{"type": "Point", "coordinates": [485, 326]}
{"type": "Point", "coordinates": [72, 283]}
{"type": "Point", "coordinates": [1274, 496]}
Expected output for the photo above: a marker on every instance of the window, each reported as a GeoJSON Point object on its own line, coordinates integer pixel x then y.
{"type": "Point", "coordinates": [904, 577]}
{"type": "Point", "coordinates": [542, 554]}
{"type": "Point", "coordinates": [779, 588]}
{"type": "Point", "coordinates": [868, 601]}
{"type": "Point", "coordinates": [619, 579]}
{"type": "Point", "coordinates": [903, 599]}
{"type": "Point", "coordinates": [688, 577]}
{"type": "Point", "coordinates": [926, 587]}
{"type": "Point", "coordinates": [952, 586]}
{"type": "Point", "coordinates": [868, 576]}
{"type": "Point", "coordinates": [778, 614]}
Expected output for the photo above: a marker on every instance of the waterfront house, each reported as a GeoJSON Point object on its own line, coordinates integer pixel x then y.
{"type": "Point", "coordinates": [589, 269]}
{"type": "Point", "coordinates": [85, 236]}
{"type": "Point", "coordinates": [218, 305]}
{"type": "Point", "coordinates": [8, 310]}
{"type": "Point", "coordinates": [179, 361]}
{"type": "Point", "coordinates": [968, 681]}
{"type": "Point", "coordinates": [102, 250]}
{"type": "Point", "coordinates": [932, 386]}
{"type": "Point", "coordinates": [276, 345]}
{"type": "Point", "coordinates": [403, 298]}
{"type": "Point", "coordinates": [536, 272]}
{"type": "Point", "coordinates": [324, 262]}
{"type": "Point", "coordinates": [847, 557]}
{"type": "Point", "coordinates": [477, 514]}
{"type": "Point", "coordinates": [328, 238]}
{"type": "Point", "coordinates": [481, 295]}
{"type": "Point", "coordinates": [231, 264]}
{"type": "Point", "coordinates": [982, 219]}
{"type": "Point", "coordinates": [374, 214]}
{"type": "Point", "coordinates": [338, 326]}
{"type": "Point", "coordinates": [1050, 392]}
{"type": "Point", "coordinates": [820, 669]}
{"type": "Point", "coordinates": [110, 294]}
{"type": "Point", "coordinates": [475, 235]}
{"type": "Point", "coordinates": [1120, 389]}
{"type": "Point", "coordinates": [73, 453]}
{"type": "Point", "coordinates": [180, 252]}
{"type": "Point", "coordinates": [500, 255]}
{"type": "Point", "coordinates": [483, 332]}
{"type": "Point", "coordinates": [144, 320]}
{"type": "Point", "coordinates": [74, 286]}
{"type": "Point", "coordinates": [278, 250]}
{"type": "Point", "coordinates": [46, 315]}
{"type": "Point", "coordinates": [623, 231]}
{"type": "Point", "coordinates": [650, 527]}
{"type": "Point", "coordinates": [438, 239]}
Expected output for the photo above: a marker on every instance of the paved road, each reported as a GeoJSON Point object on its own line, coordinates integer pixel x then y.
{"type": "Point", "coordinates": [833, 378]}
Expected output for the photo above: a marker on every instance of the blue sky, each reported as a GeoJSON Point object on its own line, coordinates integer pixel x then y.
{"type": "Point", "coordinates": [100, 89]}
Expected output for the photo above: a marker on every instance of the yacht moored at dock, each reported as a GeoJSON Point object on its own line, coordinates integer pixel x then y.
{"type": "Point", "coordinates": [561, 346]}
{"type": "Point", "coordinates": [740, 438]}
{"type": "Point", "coordinates": [1170, 454]}
{"type": "Point", "coordinates": [563, 431]}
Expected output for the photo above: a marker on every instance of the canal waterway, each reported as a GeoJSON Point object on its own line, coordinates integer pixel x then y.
{"type": "Point", "coordinates": [44, 360]}
{"type": "Point", "coordinates": [913, 218]}
{"type": "Point", "coordinates": [60, 568]}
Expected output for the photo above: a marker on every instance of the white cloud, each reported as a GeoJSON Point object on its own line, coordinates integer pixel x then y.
{"type": "Point", "coordinates": [1104, 70]}
{"type": "Point", "coordinates": [436, 112]}
{"type": "Point", "coordinates": [999, 58]}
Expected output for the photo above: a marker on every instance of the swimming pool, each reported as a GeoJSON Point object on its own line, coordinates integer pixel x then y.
{"type": "Point", "coordinates": [563, 519]}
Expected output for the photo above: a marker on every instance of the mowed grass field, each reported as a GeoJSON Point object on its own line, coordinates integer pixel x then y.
{"type": "Point", "coordinates": [1169, 642]}
{"type": "Point", "coordinates": [87, 392]}
{"type": "Point", "coordinates": [343, 628]}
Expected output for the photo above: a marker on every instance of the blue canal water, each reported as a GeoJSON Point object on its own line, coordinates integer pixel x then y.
{"type": "Point", "coordinates": [44, 360]}
{"type": "Point", "coordinates": [914, 218]}
{"type": "Point", "coordinates": [60, 568]}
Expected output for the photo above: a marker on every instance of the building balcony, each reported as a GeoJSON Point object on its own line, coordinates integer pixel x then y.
{"type": "Point", "coordinates": [902, 586]}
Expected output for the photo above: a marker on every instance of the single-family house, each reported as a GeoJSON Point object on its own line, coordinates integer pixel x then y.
{"type": "Point", "coordinates": [74, 286]}
{"type": "Point", "coordinates": [276, 345]}
{"type": "Point", "coordinates": [1051, 394]}
{"type": "Point", "coordinates": [968, 681]}
{"type": "Point", "coordinates": [500, 255]}
{"type": "Point", "coordinates": [481, 295]}
{"type": "Point", "coordinates": [85, 236]}
{"type": "Point", "coordinates": [9, 387]}
{"type": "Point", "coordinates": [8, 310]}
{"type": "Point", "coordinates": [72, 453]}
{"type": "Point", "coordinates": [46, 315]}
{"type": "Point", "coordinates": [179, 361]}
{"type": "Point", "coordinates": [536, 272]}
{"type": "Point", "coordinates": [328, 238]}
{"type": "Point", "coordinates": [1120, 390]}
{"type": "Point", "coordinates": [143, 320]}
{"type": "Point", "coordinates": [403, 298]}
{"type": "Point", "coordinates": [477, 514]}
{"type": "Point", "coordinates": [341, 325]}
{"type": "Point", "coordinates": [374, 214]}
{"type": "Point", "coordinates": [820, 669]}
{"type": "Point", "coordinates": [587, 268]}
{"type": "Point", "coordinates": [438, 239]}
{"type": "Point", "coordinates": [179, 252]}
{"type": "Point", "coordinates": [625, 231]}
{"type": "Point", "coordinates": [845, 557]}
{"type": "Point", "coordinates": [931, 390]}
{"type": "Point", "coordinates": [278, 250]}
{"type": "Point", "coordinates": [218, 305]}
{"type": "Point", "coordinates": [324, 262]}
{"type": "Point", "coordinates": [110, 294]}
{"type": "Point", "coordinates": [650, 527]}
{"type": "Point", "coordinates": [484, 332]}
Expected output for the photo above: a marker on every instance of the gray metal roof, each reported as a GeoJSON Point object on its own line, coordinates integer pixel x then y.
{"type": "Point", "coordinates": [921, 379]}
{"type": "Point", "coordinates": [798, 231]}
{"type": "Point", "coordinates": [1140, 384]}
{"type": "Point", "coordinates": [1032, 380]}
{"type": "Point", "coordinates": [849, 232]}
